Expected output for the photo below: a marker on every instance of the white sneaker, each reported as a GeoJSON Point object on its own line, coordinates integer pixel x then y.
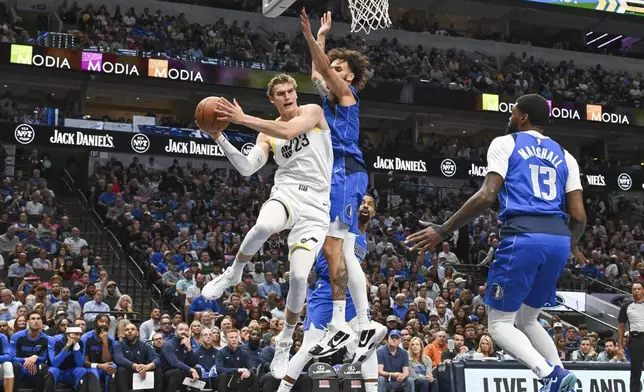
{"type": "Point", "coordinates": [216, 287]}
{"type": "Point", "coordinates": [279, 365]}
{"type": "Point", "coordinates": [334, 339]}
{"type": "Point", "coordinates": [368, 341]}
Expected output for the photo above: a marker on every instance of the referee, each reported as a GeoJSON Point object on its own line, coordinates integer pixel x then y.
{"type": "Point", "coordinates": [633, 314]}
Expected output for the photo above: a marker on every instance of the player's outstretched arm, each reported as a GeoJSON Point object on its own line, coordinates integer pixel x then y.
{"type": "Point", "coordinates": [574, 202]}
{"type": "Point", "coordinates": [336, 86]}
{"type": "Point", "coordinates": [318, 80]}
{"type": "Point", "coordinates": [246, 165]}
{"type": "Point", "coordinates": [309, 117]}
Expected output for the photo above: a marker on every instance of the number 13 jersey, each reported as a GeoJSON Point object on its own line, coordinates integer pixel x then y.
{"type": "Point", "coordinates": [306, 160]}
{"type": "Point", "coordinates": [537, 174]}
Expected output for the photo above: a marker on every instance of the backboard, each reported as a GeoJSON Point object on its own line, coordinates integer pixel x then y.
{"type": "Point", "coordinates": [275, 8]}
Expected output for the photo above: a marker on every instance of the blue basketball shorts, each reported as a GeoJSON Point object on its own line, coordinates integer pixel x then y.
{"type": "Point", "coordinates": [525, 271]}
{"type": "Point", "coordinates": [347, 189]}
{"type": "Point", "coordinates": [319, 308]}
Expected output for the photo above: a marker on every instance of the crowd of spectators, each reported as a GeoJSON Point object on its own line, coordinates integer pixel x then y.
{"type": "Point", "coordinates": [185, 223]}
{"type": "Point", "coordinates": [236, 43]}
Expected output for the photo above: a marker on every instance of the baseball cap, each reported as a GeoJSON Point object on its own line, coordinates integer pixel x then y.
{"type": "Point", "coordinates": [557, 325]}
{"type": "Point", "coordinates": [474, 318]}
{"type": "Point", "coordinates": [110, 283]}
{"type": "Point", "coordinates": [395, 332]}
{"type": "Point", "coordinates": [460, 280]}
{"type": "Point", "coordinates": [264, 318]}
{"type": "Point", "coordinates": [392, 318]}
{"type": "Point", "coordinates": [74, 330]}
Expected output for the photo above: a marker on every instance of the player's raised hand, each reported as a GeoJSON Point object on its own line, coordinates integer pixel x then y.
{"type": "Point", "coordinates": [227, 111]}
{"type": "Point", "coordinates": [426, 238]}
{"type": "Point", "coordinates": [306, 25]}
{"type": "Point", "coordinates": [325, 24]}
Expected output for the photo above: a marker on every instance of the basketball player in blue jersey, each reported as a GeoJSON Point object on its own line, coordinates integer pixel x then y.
{"type": "Point", "coordinates": [339, 76]}
{"type": "Point", "coordinates": [320, 311]}
{"type": "Point", "coordinates": [538, 187]}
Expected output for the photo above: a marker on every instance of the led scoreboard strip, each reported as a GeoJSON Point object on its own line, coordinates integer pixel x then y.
{"type": "Point", "coordinates": [627, 7]}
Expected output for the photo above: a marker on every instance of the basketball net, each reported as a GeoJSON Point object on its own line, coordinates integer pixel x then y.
{"type": "Point", "coordinates": [369, 15]}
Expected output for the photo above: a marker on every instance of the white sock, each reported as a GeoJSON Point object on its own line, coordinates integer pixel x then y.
{"type": "Point", "coordinates": [357, 282]}
{"type": "Point", "coordinates": [238, 269]}
{"type": "Point", "coordinates": [339, 309]}
{"type": "Point", "coordinates": [363, 320]}
{"type": "Point", "coordinates": [285, 386]}
{"type": "Point", "coordinates": [371, 386]}
{"type": "Point", "coordinates": [503, 331]}
{"type": "Point", "coordinates": [287, 333]}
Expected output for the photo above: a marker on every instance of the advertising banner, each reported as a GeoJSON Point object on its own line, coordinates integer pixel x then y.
{"type": "Point", "coordinates": [117, 141]}
{"type": "Point", "coordinates": [523, 380]}
{"type": "Point", "coordinates": [630, 7]}
{"type": "Point", "coordinates": [140, 67]}
{"type": "Point", "coordinates": [423, 164]}
{"type": "Point", "coordinates": [211, 71]}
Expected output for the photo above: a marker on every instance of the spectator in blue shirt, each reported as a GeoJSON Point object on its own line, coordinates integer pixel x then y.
{"type": "Point", "coordinates": [400, 307]}
{"type": "Point", "coordinates": [393, 366]}
{"type": "Point", "coordinates": [200, 305]}
{"type": "Point", "coordinates": [232, 361]}
{"type": "Point", "coordinates": [269, 286]}
{"type": "Point", "coordinates": [107, 198]}
{"type": "Point", "coordinates": [199, 243]}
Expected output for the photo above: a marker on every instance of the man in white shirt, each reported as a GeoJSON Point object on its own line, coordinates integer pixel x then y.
{"type": "Point", "coordinates": [9, 307]}
{"type": "Point", "coordinates": [34, 206]}
{"type": "Point", "coordinates": [449, 256]}
{"type": "Point", "coordinates": [75, 241]}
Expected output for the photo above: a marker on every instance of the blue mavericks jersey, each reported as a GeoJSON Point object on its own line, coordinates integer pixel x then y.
{"type": "Point", "coordinates": [322, 292]}
{"type": "Point", "coordinates": [344, 122]}
{"type": "Point", "coordinates": [535, 186]}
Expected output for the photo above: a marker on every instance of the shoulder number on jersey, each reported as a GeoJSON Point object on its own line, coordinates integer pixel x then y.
{"type": "Point", "coordinates": [295, 145]}
{"type": "Point", "coordinates": [544, 182]}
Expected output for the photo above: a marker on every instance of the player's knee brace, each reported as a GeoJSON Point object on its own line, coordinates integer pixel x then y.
{"type": "Point", "coordinates": [301, 263]}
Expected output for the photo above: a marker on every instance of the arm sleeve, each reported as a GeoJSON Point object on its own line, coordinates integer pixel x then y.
{"type": "Point", "coordinates": [245, 165]}
{"type": "Point", "coordinates": [119, 357]}
{"type": "Point", "coordinates": [498, 155]}
{"type": "Point", "coordinates": [56, 359]}
{"type": "Point", "coordinates": [79, 356]}
{"type": "Point", "coordinates": [168, 351]}
{"type": "Point", "coordinates": [573, 182]}
{"type": "Point", "coordinates": [13, 348]}
{"type": "Point", "coordinates": [412, 373]}
{"type": "Point", "coordinates": [220, 364]}
{"type": "Point", "coordinates": [6, 350]}
{"type": "Point", "coordinates": [262, 291]}
{"type": "Point", "coordinates": [623, 316]}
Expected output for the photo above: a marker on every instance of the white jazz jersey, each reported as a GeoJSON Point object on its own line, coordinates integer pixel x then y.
{"type": "Point", "coordinates": [306, 160]}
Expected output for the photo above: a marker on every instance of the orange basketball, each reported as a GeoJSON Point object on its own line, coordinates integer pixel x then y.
{"type": "Point", "coordinates": [206, 119]}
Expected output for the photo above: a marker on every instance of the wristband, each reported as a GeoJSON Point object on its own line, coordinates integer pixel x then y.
{"type": "Point", "coordinates": [94, 366]}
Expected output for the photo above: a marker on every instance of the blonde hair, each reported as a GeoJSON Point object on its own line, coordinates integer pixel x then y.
{"type": "Point", "coordinates": [192, 324]}
{"type": "Point", "coordinates": [280, 79]}
{"type": "Point", "coordinates": [488, 339]}
{"type": "Point", "coordinates": [121, 298]}
{"type": "Point", "coordinates": [421, 355]}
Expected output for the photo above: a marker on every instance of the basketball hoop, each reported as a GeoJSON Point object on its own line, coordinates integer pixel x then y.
{"type": "Point", "coordinates": [369, 15]}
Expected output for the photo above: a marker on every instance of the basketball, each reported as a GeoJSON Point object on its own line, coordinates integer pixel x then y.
{"type": "Point", "coordinates": [206, 119]}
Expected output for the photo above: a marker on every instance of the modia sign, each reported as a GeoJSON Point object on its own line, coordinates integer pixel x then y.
{"type": "Point", "coordinates": [596, 113]}
{"type": "Point", "coordinates": [24, 54]}
{"type": "Point", "coordinates": [492, 103]}
{"type": "Point", "coordinates": [161, 69]}
{"type": "Point", "coordinates": [94, 62]}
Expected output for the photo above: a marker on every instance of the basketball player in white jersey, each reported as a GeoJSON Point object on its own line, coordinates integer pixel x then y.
{"type": "Point", "coordinates": [299, 199]}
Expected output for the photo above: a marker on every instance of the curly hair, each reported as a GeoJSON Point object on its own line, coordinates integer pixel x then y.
{"type": "Point", "coordinates": [357, 62]}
